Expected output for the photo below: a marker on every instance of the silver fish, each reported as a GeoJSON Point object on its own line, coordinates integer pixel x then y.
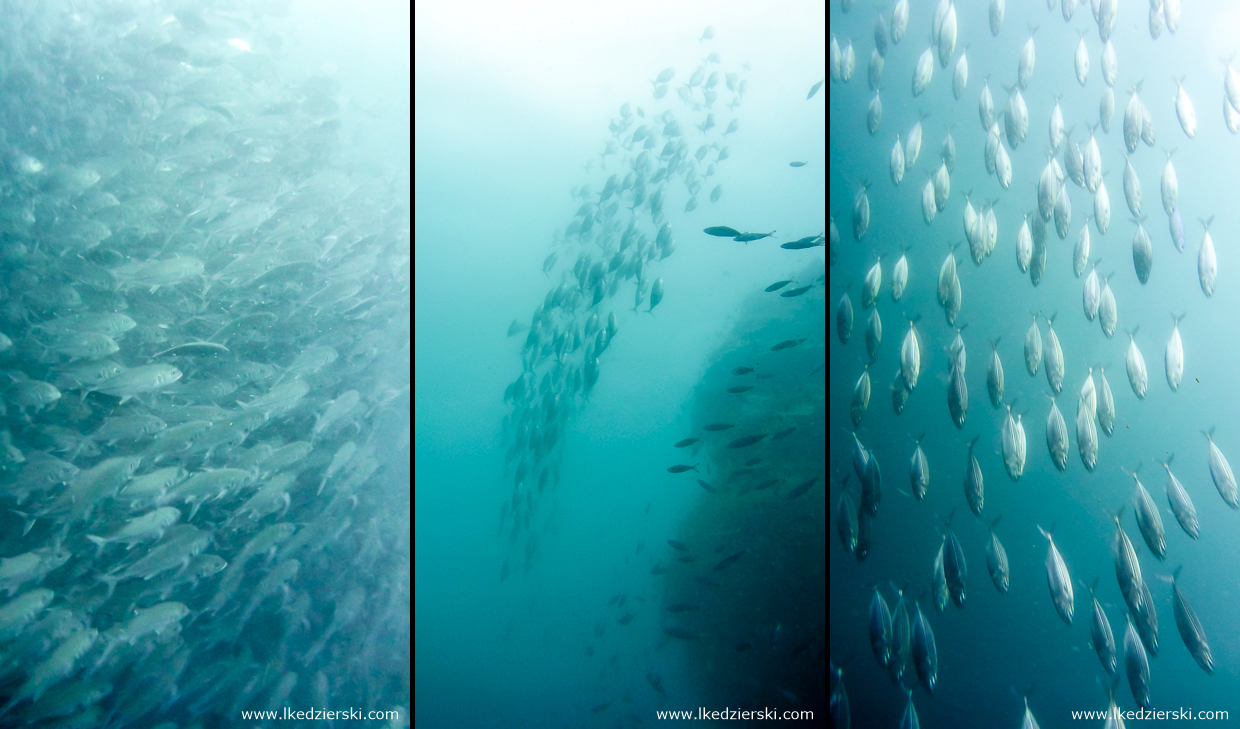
{"type": "Point", "coordinates": [880, 628]}
{"type": "Point", "coordinates": [1137, 376]}
{"type": "Point", "coordinates": [974, 486]}
{"type": "Point", "coordinates": [1220, 471]}
{"type": "Point", "coordinates": [1058, 579]}
{"type": "Point", "coordinates": [919, 471]}
{"type": "Point", "coordinates": [1054, 357]}
{"type": "Point", "coordinates": [1190, 627]}
{"type": "Point", "coordinates": [925, 652]}
{"type": "Point", "coordinates": [1106, 404]}
{"type": "Point", "coordinates": [1014, 446]}
{"type": "Point", "coordinates": [1057, 437]}
{"type": "Point", "coordinates": [1181, 504]}
{"type": "Point", "coordinates": [1101, 635]}
{"type": "Point", "coordinates": [1175, 354]}
{"type": "Point", "coordinates": [994, 375]}
{"type": "Point", "coordinates": [1149, 521]}
{"type": "Point", "coordinates": [997, 560]}
{"type": "Point", "coordinates": [1137, 666]}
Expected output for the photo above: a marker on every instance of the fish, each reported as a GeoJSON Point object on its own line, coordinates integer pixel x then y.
{"type": "Point", "coordinates": [997, 560]}
{"type": "Point", "coordinates": [994, 375]}
{"type": "Point", "coordinates": [1014, 446]}
{"type": "Point", "coordinates": [880, 628]}
{"type": "Point", "coordinates": [1193, 635]}
{"type": "Point", "coordinates": [1033, 347]}
{"type": "Point", "coordinates": [1058, 579]}
{"type": "Point", "coordinates": [716, 427]}
{"type": "Point", "coordinates": [955, 569]}
{"type": "Point", "coordinates": [1127, 568]}
{"type": "Point", "coordinates": [786, 344]}
{"type": "Point", "coordinates": [1220, 472]}
{"type": "Point", "coordinates": [741, 388]}
{"type": "Point", "coordinates": [1181, 504]}
{"type": "Point", "coordinates": [729, 560]}
{"type": "Point", "coordinates": [924, 651]}
{"type": "Point", "coordinates": [1170, 186]}
{"type": "Point", "coordinates": [802, 164]}
{"type": "Point", "coordinates": [938, 583]}
{"type": "Point", "coordinates": [861, 223]}
{"type": "Point", "coordinates": [1137, 666]}
{"type": "Point", "coordinates": [681, 468]}
{"type": "Point", "coordinates": [1135, 363]}
{"type": "Point", "coordinates": [957, 397]}
{"type": "Point", "coordinates": [1175, 354]}
{"type": "Point", "coordinates": [813, 90]}
{"type": "Point", "coordinates": [1207, 264]}
{"type": "Point", "coordinates": [800, 488]}
{"type": "Point", "coordinates": [919, 471]}
{"type": "Point", "coordinates": [686, 442]}
{"type": "Point", "coordinates": [1057, 437]}
{"type": "Point", "coordinates": [1106, 404]}
{"type": "Point", "coordinates": [790, 293]}
{"type": "Point", "coordinates": [1148, 519]}
{"type": "Point", "coordinates": [722, 231]}
{"type": "Point", "coordinates": [1054, 357]}
{"type": "Point", "coordinates": [1100, 634]}
{"type": "Point", "coordinates": [746, 441]}
{"type": "Point", "coordinates": [1184, 110]}
{"type": "Point", "coordinates": [777, 286]}
{"type": "Point", "coordinates": [846, 523]}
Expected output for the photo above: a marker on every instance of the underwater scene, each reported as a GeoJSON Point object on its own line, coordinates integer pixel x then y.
{"type": "Point", "coordinates": [1034, 506]}
{"type": "Point", "coordinates": [620, 369]}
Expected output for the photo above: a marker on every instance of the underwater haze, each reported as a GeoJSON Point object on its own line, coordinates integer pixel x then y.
{"type": "Point", "coordinates": [575, 323]}
{"type": "Point", "coordinates": [1104, 290]}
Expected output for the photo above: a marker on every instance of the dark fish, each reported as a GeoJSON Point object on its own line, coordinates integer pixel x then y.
{"type": "Point", "coordinates": [722, 231]}
{"type": "Point", "coordinates": [813, 90]}
{"type": "Point", "coordinates": [796, 164]}
{"type": "Point", "coordinates": [686, 442]}
{"type": "Point", "coordinates": [801, 488]}
{"type": "Point", "coordinates": [678, 545]}
{"type": "Point", "coordinates": [753, 461]}
{"type": "Point", "coordinates": [786, 344]}
{"type": "Point", "coordinates": [682, 634]}
{"type": "Point", "coordinates": [683, 607]}
{"type": "Point", "coordinates": [682, 469]}
{"type": "Point", "coordinates": [778, 284]}
{"type": "Point", "coordinates": [812, 241]}
{"type": "Point", "coordinates": [746, 441]}
{"type": "Point", "coordinates": [746, 237]}
{"type": "Point", "coordinates": [740, 388]}
{"type": "Point", "coordinates": [766, 485]}
{"type": "Point", "coordinates": [742, 370]}
{"type": "Point", "coordinates": [784, 433]}
{"type": "Point", "coordinates": [707, 486]}
{"type": "Point", "coordinates": [796, 292]}
{"type": "Point", "coordinates": [715, 427]}
{"type": "Point", "coordinates": [726, 561]}
{"type": "Point", "coordinates": [625, 619]}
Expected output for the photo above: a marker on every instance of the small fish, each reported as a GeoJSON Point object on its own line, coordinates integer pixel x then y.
{"type": "Point", "coordinates": [682, 469]}
{"type": "Point", "coordinates": [727, 561]}
{"type": "Point", "coordinates": [786, 344]}
{"type": "Point", "coordinates": [742, 370]}
{"type": "Point", "coordinates": [686, 442]}
{"type": "Point", "coordinates": [746, 237]}
{"type": "Point", "coordinates": [678, 545]}
{"type": "Point", "coordinates": [715, 427]}
{"type": "Point", "coordinates": [801, 488]}
{"type": "Point", "coordinates": [814, 89]}
{"type": "Point", "coordinates": [707, 486]}
{"type": "Point", "coordinates": [784, 433]}
{"type": "Point", "coordinates": [796, 164]}
{"type": "Point", "coordinates": [722, 231]}
{"type": "Point", "coordinates": [740, 388]}
{"type": "Point", "coordinates": [746, 441]}
{"type": "Point", "coordinates": [777, 285]}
